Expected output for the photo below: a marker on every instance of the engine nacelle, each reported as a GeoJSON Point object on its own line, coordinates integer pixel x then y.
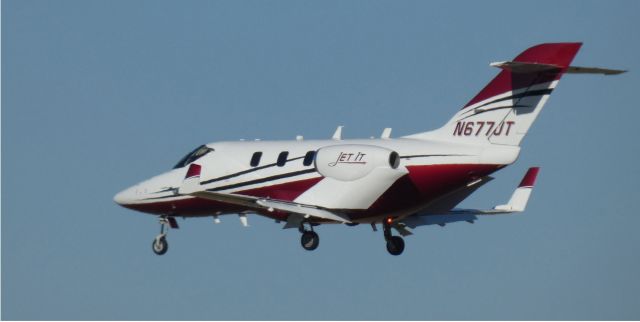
{"type": "Point", "coordinates": [350, 162]}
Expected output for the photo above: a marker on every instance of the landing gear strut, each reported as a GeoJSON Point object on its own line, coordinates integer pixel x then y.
{"type": "Point", "coordinates": [310, 239]}
{"type": "Point", "coordinates": [395, 244]}
{"type": "Point", "coordinates": [160, 245]}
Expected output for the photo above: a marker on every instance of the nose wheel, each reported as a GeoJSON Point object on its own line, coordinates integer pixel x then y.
{"type": "Point", "coordinates": [309, 239]}
{"type": "Point", "coordinates": [160, 244]}
{"type": "Point", "coordinates": [395, 244]}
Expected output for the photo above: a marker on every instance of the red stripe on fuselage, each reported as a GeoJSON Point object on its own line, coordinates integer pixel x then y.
{"type": "Point", "coordinates": [203, 207]}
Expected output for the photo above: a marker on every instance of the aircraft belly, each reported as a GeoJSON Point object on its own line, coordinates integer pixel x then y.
{"type": "Point", "coordinates": [185, 207]}
{"type": "Point", "coordinates": [384, 192]}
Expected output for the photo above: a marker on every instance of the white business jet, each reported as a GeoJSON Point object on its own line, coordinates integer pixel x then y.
{"type": "Point", "coordinates": [397, 183]}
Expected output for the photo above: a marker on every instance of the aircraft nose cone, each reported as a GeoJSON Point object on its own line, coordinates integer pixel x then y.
{"type": "Point", "coordinates": [126, 196]}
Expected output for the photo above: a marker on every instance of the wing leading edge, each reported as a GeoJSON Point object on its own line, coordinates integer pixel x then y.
{"type": "Point", "coordinates": [191, 186]}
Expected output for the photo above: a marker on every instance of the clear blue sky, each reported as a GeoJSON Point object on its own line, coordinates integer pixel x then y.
{"type": "Point", "coordinates": [98, 95]}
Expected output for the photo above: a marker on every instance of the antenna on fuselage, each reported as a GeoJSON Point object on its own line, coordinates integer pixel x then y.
{"type": "Point", "coordinates": [243, 220]}
{"type": "Point", "coordinates": [386, 133]}
{"type": "Point", "coordinates": [337, 135]}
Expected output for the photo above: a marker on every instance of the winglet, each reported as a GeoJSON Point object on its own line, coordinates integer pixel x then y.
{"type": "Point", "coordinates": [594, 70]}
{"type": "Point", "coordinates": [191, 181]}
{"type": "Point", "coordinates": [529, 178]}
{"type": "Point", "coordinates": [520, 197]}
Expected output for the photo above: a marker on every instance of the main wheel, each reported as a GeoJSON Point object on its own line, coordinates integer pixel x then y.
{"type": "Point", "coordinates": [160, 245]}
{"type": "Point", "coordinates": [310, 240]}
{"type": "Point", "coordinates": [395, 245]}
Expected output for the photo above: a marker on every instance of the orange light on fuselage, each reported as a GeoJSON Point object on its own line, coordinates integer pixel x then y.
{"type": "Point", "coordinates": [389, 220]}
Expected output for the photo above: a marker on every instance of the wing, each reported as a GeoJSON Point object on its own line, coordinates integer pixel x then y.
{"type": "Point", "coordinates": [517, 203]}
{"type": "Point", "coordinates": [191, 186]}
{"type": "Point", "coordinates": [447, 202]}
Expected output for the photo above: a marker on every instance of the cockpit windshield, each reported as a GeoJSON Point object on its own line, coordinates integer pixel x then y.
{"type": "Point", "coordinates": [193, 155]}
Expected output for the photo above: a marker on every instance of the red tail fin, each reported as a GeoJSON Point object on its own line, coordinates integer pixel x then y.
{"type": "Point", "coordinates": [504, 110]}
{"type": "Point", "coordinates": [558, 54]}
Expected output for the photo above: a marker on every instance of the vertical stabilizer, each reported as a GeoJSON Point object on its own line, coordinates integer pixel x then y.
{"type": "Point", "coordinates": [503, 111]}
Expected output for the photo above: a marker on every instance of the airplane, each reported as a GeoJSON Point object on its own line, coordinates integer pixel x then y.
{"type": "Point", "coordinates": [399, 183]}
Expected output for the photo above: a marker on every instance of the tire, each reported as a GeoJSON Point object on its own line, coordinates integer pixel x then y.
{"type": "Point", "coordinates": [160, 245]}
{"type": "Point", "coordinates": [395, 245]}
{"type": "Point", "coordinates": [309, 240]}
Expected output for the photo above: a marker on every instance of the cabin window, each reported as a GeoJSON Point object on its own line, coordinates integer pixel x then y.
{"type": "Point", "coordinates": [282, 158]}
{"type": "Point", "coordinates": [255, 159]}
{"type": "Point", "coordinates": [308, 158]}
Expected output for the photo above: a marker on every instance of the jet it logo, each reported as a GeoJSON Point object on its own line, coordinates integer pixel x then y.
{"type": "Point", "coordinates": [349, 158]}
{"type": "Point", "coordinates": [487, 128]}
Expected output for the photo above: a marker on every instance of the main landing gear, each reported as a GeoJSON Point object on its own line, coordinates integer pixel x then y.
{"type": "Point", "coordinates": [309, 239]}
{"type": "Point", "coordinates": [395, 244]}
{"type": "Point", "coordinates": [160, 244]}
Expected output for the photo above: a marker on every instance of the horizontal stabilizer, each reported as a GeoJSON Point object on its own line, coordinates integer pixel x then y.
{"type": "Point", "coordinates": [524, 67]}
{"type": "Point", "coordinates": [593, 70]}
{"type": "Point", "coordinates": [527, 67]}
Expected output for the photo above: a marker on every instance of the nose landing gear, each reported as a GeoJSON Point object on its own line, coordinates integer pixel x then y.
{"type": "Point", "coordinates": [395, 244]}
{"type": "Point", "coordinates": [160, 244]}
{"type": "Point", "coordinates": [309, 239]}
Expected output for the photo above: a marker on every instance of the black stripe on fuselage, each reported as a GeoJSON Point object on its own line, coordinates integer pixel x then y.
{"type": "Point", "coordinates": [281, 176]}
{"type": "Point", "coordinates": [167, 189]}
{"type": "Point", "coordinates": [263, 180]}
{"type": "Point", "coordinates": [301, 172]}
{"type": "Point", "coordinates": [245, 172]}
{"type": "Point", "coordinates": [247, 183]}
{"type": "Point", "coordinates": [163, 197]}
